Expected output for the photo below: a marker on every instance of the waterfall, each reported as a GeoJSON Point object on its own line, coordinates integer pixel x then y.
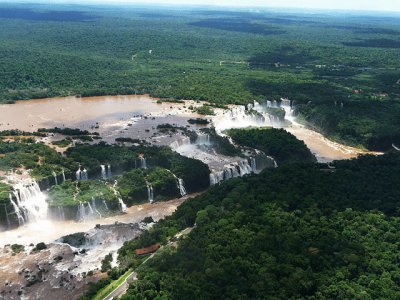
{"type": "Point", "coordinates": [18, 213]}
{"type": "Point", "coordinates": [233, 170]}
{"type": "Point", "coordinates": [91, 211]}
{"type": "Point", "coordinates": [109, 174]}
{"type": "Point", "coordinates": [143, 163]}
{"type": "Point", "coordinates": [61, 215]}
{"type": "Point", "coordinates": [181, 187]}
{"type": "Point", "coordinates": [103, 172]}
{"type": "Point", "coordinates": [253, 164]}
{"type": "Point", "coordinates": [274, 161]}
{"type": "Point", "coordinates": [84, 175]}
{"type": "Point", "coordinates": [95, 208]}
{"type": "Point", "coordinates": [81, 174]}
{"type": "Point", "coordinates": [86, 213]}
{"type": "Point", "coordinates": [63, 175]}
{"type": "Point", "coordinates": [105, 204]}
{"type": "Point", "coordinates": [180, 142]}
{"type": "Point", "coordinates": [78, 174]}
{"type": "Point", "coordinates": [81, 212]}
{"type": "Point", "coordinates": [55, 178]}
{"type": "Point", "coordinates": [203, 139]}
{"type": "Point", "coordinates": [122, 205]}
{"type": "Point", "coordinates": [216, 177]}
{"type": "Point", "coordinates": [31, 202]}
{"type": "Point", "coordinates": [150, 192]}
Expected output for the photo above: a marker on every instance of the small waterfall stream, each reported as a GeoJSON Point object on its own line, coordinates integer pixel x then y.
{"type": "Point", "coordinates": [18, 212]}
{"type": "Point", "coordinates": [103, 172]}
{"type": "Point", "coordinates": [150, 192]}
{"type": "Point", "coordinates": [63, 175]}
{"type": "Point", "coordinates": [122, 205]}
{"type": "Point", "coordinates": [142, 162]}
{"type": "Point", "coordinates": [55, 178]}
{"type": "Point", "coordinates": [61, 214]}
{"type": "Point", "coordinates": [181, 187]}
{"type": "Point", "coordinates": [82, 174]}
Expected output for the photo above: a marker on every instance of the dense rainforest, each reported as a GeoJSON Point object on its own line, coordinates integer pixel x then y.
{"type": "Point", "coordinates": [281, 145]}
{"type": "Point", "coordinates": [302, 231]}
{"type": "Point", "coordinates": [340, 68]}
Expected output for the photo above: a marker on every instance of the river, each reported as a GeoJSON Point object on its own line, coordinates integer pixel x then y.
{"type": "Point", "coordinates": [137, 116]}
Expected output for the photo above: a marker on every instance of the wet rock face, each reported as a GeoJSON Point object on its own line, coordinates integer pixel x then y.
{"type": "Point", "coordinates": [60, 271]}
{"type": "Point", "coordinates": [45, 274]}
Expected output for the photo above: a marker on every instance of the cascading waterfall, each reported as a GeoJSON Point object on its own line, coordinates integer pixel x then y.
{"type": "Point", "coordinates": [253, 164]}
{"type": "Point", "coordinates": [63, 175]}
{"type": "Point", "coordinates": [287, 105]}
{"type": "Point", "coordinates": [31, 202]}
{"type": "Point", "coordinates": [81, 174]}
{"type": "Point", "coordinates": [55, 178]}
{"type": "Point", "coordinates": [203, 139]}
{"type": "Point", "coordinates": [106, 171]}
{"type": "Point", "coordinates": [274, 161]}
{"type": "Point", "coordinates": [84, 175]}
{"type": "Point", "coordinates": [103, 172]}
{"type": "Point", "coordinates": [85, 213]}
{"type": "Point", "coordinates": [82, 217]}
{"type": "Point", "coordinates": [150, 192]}
{"type": "Point", "coordinates": [143, 163]}
{"type": "Point", "coordinates": [216, 177]}
{"type": "Point", "coordinates": [61, 214]}
{"type": "Point", "coordinates": [95, 210]}
{"type": "Point", "coordinates": [180, 142]}
{"type": "Point", "coordinates": [179, 183]}
{"type": "Point", "coordinates": [18, 213]}
{"type": "Point", "coordinates": [233, 170]}
{"type": "Point", "coordinates": [105, 204]}
{"type": "Point", "coordinates": [181, 187]}
{"type": "Point", "coordinates": [78, 174]}
{"type": "Point", "coordinates": [122, 205]}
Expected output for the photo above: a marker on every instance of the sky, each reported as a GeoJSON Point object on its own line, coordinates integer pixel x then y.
{"type": "Point", "coordinates": [386, 5]}
{"type": "Point", "coordinates": [373, 5]}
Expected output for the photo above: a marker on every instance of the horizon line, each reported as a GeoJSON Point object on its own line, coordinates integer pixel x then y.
{"type": "Point", "coordinates": [209, 5]}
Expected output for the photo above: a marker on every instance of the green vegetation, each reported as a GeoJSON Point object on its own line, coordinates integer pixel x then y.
{"type": "Point", "coordinates": [205, 110]}
{"type": "Point", "coordinates": [278, 143]}
{"type": "Point", "coordinates": [302, 231]}
{"type": "Point", "coordinates": [72, 193]}
{"type": "Point", "coordinates": [41, 159]}
{"type": "Point", "coordinates": [40, 246]}
{"type": "Point", "coordinates": [199, 121]}
{"type": "Point", "coordinates": [106, 263]}
{"type": "Point", "coordinates": [62, 143]}
{"type": "Point", "coordinates": [132, 186]}
{"type": "Point", "coordinates": [16, 248]}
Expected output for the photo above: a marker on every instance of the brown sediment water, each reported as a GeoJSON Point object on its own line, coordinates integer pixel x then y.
{"type": "Point", "coordinates": [324, 149]}
{"type": "Point", "coordinates": [78, 112]}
